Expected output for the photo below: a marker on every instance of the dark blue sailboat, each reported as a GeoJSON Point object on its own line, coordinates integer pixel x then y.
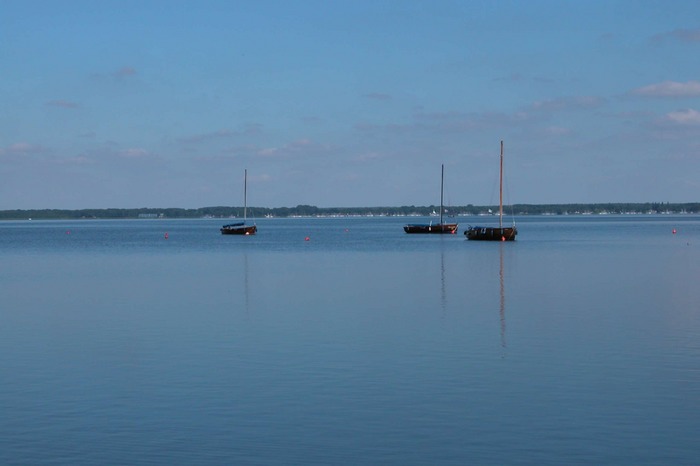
{"type": "Point", "coordinates": [241, 228]}
{"type": "Point", "coordinates": [438, 228]}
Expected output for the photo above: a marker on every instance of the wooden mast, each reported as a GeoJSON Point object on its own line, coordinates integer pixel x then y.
{"type": "Point", "coordinates": [500, 194]}
{"type": "Point", "coordinates": [442, 180]}
{"type": "Point", "coordinates": [245, 195]}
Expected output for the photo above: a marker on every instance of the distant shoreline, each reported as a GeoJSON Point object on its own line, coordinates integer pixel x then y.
{"type": "Point", "coordinates": [305, 211]}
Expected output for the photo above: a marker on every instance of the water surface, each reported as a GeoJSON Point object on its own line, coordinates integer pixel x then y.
{"type": "Point", "coordinates": [576, 344]}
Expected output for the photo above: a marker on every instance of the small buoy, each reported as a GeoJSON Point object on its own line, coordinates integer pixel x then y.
{"type": "Point", "coordinates": [68, 232]}
{"type": "Point", "coordinates": [674, 231]}
{"type": "Point", "coordinates": [307, 239]}
{"type": "Point", "coordinates": [166, 235]}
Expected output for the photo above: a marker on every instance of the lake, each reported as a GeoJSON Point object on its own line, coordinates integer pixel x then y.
{"type": "Point", "coordinates": [345, 341]}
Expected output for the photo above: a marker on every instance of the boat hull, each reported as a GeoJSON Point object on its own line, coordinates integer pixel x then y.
{"type": "Point", "coordinates": [491, 233]}
{"type": "Point", "coordinates": [436, 228]}
{"type": "Point", "coordinates": [239, 229]}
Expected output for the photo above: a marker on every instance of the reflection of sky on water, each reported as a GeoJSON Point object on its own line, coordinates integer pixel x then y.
{"type": "Point", "coordinates": [302, 345]}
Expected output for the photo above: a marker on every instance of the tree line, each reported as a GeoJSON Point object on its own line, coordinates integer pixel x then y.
{"type": "Point", "coordinates": [313, 211]}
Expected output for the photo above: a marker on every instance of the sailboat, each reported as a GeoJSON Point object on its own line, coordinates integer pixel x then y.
{"type": "Point", "coordinates": [240, 228]}
{"type": "Point", "coordinates": [492, 233]}
{"type": "Point", "coordinates": [434, 227]}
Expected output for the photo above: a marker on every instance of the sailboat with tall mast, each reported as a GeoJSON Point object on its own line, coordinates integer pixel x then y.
{"type": "Point", "coordinates": [431, 227]}
{"type": "Point", "coordinates": [492, 233]}
{"type": "Point", "coordinates": [241, 228]}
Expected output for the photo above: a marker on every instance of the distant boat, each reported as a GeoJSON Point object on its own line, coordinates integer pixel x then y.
{"type": "Point", "coordinates": [434, 227]}
{"type": "Point", "coordinates": [493, 233]}
{"type": "Point", "coordinates": [240, 228]}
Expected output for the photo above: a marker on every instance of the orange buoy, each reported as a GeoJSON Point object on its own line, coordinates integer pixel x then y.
{"type": "Point", "coordinates": [307, 239]}
{"type": "Point", "coordinates": [674, 231]}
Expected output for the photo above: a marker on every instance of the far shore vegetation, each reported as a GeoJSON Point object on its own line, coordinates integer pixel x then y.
{"type": "Point", "coordinates": [313, 211]}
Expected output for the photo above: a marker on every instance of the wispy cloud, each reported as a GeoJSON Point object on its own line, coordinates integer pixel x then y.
{"type": "Point", "coordinates": [557, 131]}
{"type": "Point", "coordinates": [78, 160]}
{"type": "Point", "coordinates": [197, 138]}
{"type": "Point", "coordinates": [394, 128]}
{"type": "Point", "coordinates": [114, 158]}
{"type": "Point", "coordinates": [124, 72]}
{"type": "Point", "coordinates": [134, 153]}
{"type": "Point", "coordinates": [682, 35]}
{"type": "Point", "coordinates": [447, 122]}
{"type": "Point", "coordinates": [521, 78]}
{"type": "Point", "coordinates": [568, 103]}
{"type": "Point", "coordinates": [301, 146]}
{"type": "Point", "coordinates": [367, 156]}
{"type": "Point", "coordinates": [532, 116]}
{"type": "Point", "coordinates": [61, 104]}
{"type": "Point", "coordinates": [607, 37]}
{"type": "Point", "coordinates": [21, 148]}
{"type": "Point", "coordinates": [669, 89]}
{"type": "Point", "coordinates": [120, 74]}
{"type": "Point", "coordinates": [511, 78]}
{"type": "Point", "coordinates": [312, 120]}
{"type": "Point", "coordinates": [263, 178]}
{"type": "Point", "coordinates": [249, 129]}
{"type": "Point", "coordinates": [377, 96]}
{"type": "Point", "coordinates": [284, 150]}
{"type": "Point", "coordinates": [687, 117]}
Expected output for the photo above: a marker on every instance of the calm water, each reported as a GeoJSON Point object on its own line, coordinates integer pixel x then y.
{"type": "Point", "coordinates": [577, 344]}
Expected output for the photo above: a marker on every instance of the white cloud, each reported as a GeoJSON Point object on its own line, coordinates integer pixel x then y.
{"type": "Point", "coordinates": [301, 145]}
{"type": "Point", "coordinates": [670, 89]}
{"type": "Point", "coordinates": [684, 117]}
{"type": "Point", "coordinates": [21, 148]}
{"type": "Point", "coordinates": [268, 152]}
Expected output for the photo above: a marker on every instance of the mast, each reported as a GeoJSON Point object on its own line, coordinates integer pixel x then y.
{"type": "Point", "coordinates": [500, 193]}
{"type": "Point", "coordinates": [442, 180]}
{"type": "Point", "coordinates": [245, 195]}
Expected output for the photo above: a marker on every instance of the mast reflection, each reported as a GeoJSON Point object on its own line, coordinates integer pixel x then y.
{"type": "Point", "coordinates": [443, 287]}
{"type": "Point", "coordinates": [502, 310]}
{"type": "Point", "coordinates": [246, 288]}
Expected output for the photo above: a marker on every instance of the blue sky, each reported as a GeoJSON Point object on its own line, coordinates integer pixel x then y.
{"type": "Point", "coordinates": [347, 103]}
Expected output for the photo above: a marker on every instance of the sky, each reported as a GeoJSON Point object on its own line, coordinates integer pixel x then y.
{"type": "Point", "coordinates": [347, 103]}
